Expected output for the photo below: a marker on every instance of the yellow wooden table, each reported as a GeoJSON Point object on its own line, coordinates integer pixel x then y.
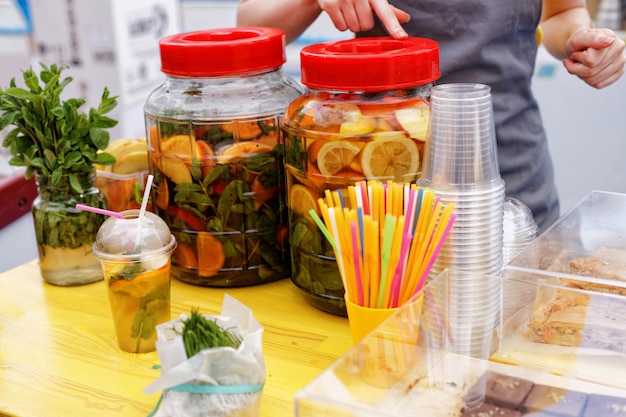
{"type": "Point", "coordinates": [59, 356]}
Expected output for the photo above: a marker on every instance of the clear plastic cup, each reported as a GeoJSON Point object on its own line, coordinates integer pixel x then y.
{"type": "Point", "coordinates": [135, 255]}
{"type": "Point", "coordinates": [461, 148]}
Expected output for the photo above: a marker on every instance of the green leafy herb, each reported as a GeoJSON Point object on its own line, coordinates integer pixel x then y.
{"type": "Point", "coordinates": [294, 152]}
{"type": "Point", "coordinates": [51, 136]}
{"type": "Point", "coordinates": [200, 333]}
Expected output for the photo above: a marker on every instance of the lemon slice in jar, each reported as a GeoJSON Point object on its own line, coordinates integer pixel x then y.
{"type": "Point", "coordinates": [395, 158]}
{"type": "Point", "coordinates": [334, 156]}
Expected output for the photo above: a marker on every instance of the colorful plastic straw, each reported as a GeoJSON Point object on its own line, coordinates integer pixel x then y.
{"type": "Point", "coordinates": [386, 237]}
{"type": "Point", "coordinates": [142, 209]}
{"type": "Point", "coordinates": [100, 211]}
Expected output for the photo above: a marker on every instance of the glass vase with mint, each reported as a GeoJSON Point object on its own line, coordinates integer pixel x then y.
{"type": "Point", "coordinates": [59, 145]}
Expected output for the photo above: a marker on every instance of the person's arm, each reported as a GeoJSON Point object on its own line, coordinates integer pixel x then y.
{"type": "Point", "coordinates": [292, 16]}
{"type": "Point", "coordinates": [594, 55]}
{"type": "Point", "coordinates": [295, 16]}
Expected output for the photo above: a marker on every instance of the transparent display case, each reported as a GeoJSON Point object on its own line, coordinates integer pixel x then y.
{"type": "Point", "coordinates": [588, 242]}
{"type": "Point", "coordinates": [409, 366]}
{"type": "Point", "coordinates": [564, 329]}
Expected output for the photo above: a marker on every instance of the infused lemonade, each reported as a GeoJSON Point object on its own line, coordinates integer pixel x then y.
{"type": "Point", "coordinates": [139, 299]}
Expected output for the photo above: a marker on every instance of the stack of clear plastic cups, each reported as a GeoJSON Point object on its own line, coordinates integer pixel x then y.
{"type": "Point", "coordinates": [461, 166]}
{"type": "Point", "coordinates": [459, 320]}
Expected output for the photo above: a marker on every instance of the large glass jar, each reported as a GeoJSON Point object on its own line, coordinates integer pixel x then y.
{"type": "Point", "coordinates": [216, 157]}
{"type": "Point", "coordinates": [64, 233]}
{"type": "Point", "coordinates": [364, 116]}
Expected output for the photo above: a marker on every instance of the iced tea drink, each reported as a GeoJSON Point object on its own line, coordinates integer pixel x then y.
{"type": "Point", "coordinates": [139, 299]}
{"type": "Point", "coordinates": [136, 259]}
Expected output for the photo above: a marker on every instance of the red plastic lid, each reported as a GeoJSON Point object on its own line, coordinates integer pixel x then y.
{"type": "Point", "coordinates": [222, 51]}
{"type": "Point", "coordinates": [370, 64]}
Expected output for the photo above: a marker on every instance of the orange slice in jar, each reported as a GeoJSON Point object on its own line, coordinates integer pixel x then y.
{"type": "Point", "coordinates": [180, 145]}
{"type": "Point", "coordinates": [185, 257]}
{"type": "Point", "coordinates": [205, 155]}
{"type": "Point", "coordinates": [162, 198]}
{"type": "Point", "coordinates": [270, 139]}
{"type": "Point", "coordinates": [302, 199]}
{"type": "Point", "coordinates": [211, 255]}
{"type": "Point", "coordinates": [243, 130]}
{"type": "Point", "coordinates": [261, 193]}
{"type": "Point", "coordinates": [394, 157]}
{"type": "Point", "coordinates": [174, 168]}
{"type": "Point", "coordinates": [241, 150]}
{"type": "Point", "coordinates": [334, 156]}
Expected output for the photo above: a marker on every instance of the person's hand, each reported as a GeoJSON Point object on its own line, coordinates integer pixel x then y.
{"type": "Point", "coordinates": [358, 15]}
{"type": "Point", "coordinates": [596, 56]}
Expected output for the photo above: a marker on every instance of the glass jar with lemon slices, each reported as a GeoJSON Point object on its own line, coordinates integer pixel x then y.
{"type": "Point", "coordinates": [212, 131]}
{"type": "Point", "coordinates": [364, 116]}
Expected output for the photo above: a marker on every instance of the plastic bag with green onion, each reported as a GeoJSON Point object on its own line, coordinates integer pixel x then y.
{"type": "Point", "coordinates": [212, 368]}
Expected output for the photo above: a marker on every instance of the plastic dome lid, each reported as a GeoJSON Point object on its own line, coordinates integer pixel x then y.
{"type": "Point", "coordinates": [133, 235]}
{"type": "Point", "coordinates": [219, 52]}
{"type": "Point", "coordinates": [370, 64]}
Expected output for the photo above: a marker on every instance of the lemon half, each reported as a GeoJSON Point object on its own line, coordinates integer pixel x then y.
{"type": "Point", "coordinates": [395, 158]}
{"type": "Point", "coordinates": [334, 156]}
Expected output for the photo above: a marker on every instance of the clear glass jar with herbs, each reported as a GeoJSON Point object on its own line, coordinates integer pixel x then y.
{"type": "Point", "coordinates": [59, 144]}
{"type": "Point", "coordinates": [216, 156]}
{"type": "Point", "coordinates": [65, 234]}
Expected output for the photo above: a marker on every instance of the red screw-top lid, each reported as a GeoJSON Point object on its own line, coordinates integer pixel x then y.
{"type": "Point", "coordinates": [219, 52]}
{"type": "Point", "coordinates": [370, 64]}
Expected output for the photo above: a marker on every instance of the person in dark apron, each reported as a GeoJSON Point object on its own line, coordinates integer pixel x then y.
{"type": "Point", "coordinates": [481, 41]}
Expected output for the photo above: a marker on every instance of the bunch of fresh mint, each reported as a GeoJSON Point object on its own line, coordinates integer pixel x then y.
{"type": "Point", "coordinates": [53, 137]}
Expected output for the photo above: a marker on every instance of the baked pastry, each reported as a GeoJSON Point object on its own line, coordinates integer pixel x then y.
{"type": "Point", "coordinates": [577, 319]}
{"type": "Point", "coordinates": [604, 263]}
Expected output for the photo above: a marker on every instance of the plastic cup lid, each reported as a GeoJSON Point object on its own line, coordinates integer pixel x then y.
{"type": "Point", "coordinates": [132, 235]}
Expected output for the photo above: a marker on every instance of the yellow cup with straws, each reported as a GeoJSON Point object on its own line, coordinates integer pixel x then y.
{"type": "Point", "coordinates": [386, 238]}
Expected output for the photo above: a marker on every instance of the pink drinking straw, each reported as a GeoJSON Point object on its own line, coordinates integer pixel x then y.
{"type": "Point", "coordinates": [399, 273]}
{"type": "Point", "coordinates": [100, 211]}
{"type": "Point", "coordinates": [435, 253]}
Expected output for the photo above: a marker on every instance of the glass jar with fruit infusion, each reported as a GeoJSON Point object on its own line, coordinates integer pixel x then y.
{"type": "Point", "coordinates": [364, 116]}
{"type": "Point", "coordinates": [212, 132]}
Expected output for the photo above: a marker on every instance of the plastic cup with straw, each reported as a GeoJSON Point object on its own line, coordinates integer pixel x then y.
{"type": "Point", "coordinates": [135, 254]}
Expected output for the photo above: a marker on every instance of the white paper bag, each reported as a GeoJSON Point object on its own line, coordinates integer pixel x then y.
{"type": "Point", "coordinates": [216, 382]}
